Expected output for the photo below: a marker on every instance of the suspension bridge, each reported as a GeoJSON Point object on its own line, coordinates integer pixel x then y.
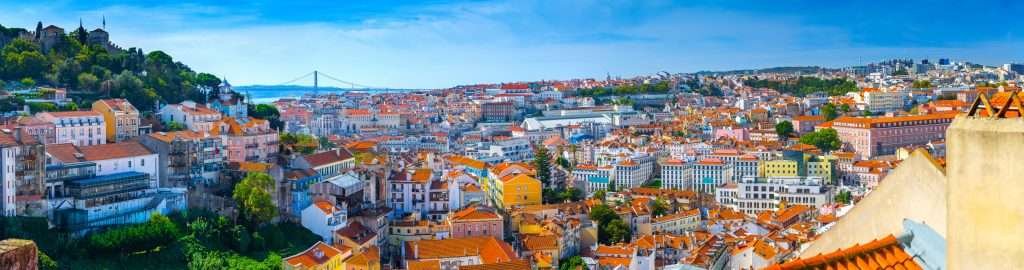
{"type": "Point", "coordinates": [316, 75]}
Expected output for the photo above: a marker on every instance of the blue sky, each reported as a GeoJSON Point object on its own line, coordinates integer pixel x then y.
{"type": "Point", "coordinates": [431, 44]}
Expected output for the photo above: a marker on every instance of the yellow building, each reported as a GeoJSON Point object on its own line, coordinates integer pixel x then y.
{"type": "Point", "coordinates": [780, 168]}
{"type": "Point", "coordinates": [821, 167]}
{"type": "Point", "coordinates": [500, 171]}
{"type": "Point", "coordinates": [121, 118]}
{"type": "Point", "coordinates": [517, 190]}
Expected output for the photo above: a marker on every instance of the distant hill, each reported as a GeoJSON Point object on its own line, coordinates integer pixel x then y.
{"type": "Point", "coordinates": [802, 70]}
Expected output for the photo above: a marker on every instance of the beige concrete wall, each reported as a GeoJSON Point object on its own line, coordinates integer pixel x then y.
{"type": "Point", "coordinates": [986, 193]}
{"type": "Point", "coordinates": [914, 190]}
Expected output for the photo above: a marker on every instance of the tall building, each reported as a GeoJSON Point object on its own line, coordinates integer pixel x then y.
{"type": "Point", "coordinates": [195, 117]}
{"type": "Point", "coordinates": [120, 117]}
{"type": "Point", "coordinates": [187, 157]}
{"type": "Point", "coordinates": [22, 163]}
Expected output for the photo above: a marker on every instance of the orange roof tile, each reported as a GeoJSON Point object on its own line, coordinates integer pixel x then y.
{"type": "Point", "coordinates": [885, 253]}
{"type": "Point", "coordinates": [316, 255]}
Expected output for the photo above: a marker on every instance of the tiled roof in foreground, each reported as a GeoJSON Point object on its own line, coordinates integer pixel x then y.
{"type": "Point", "coordinates": [885, 253]}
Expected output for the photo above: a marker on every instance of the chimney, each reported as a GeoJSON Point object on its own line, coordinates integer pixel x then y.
{"type": "Point", "coordinates": [416, 250]}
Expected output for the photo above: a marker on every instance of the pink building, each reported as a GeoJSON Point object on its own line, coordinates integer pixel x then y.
{"type": "Point", "coordinates": [735, 133]}
{"type": "Point", "coordinates": [476, 221]}
{"type": "Point", "coordinates": [805, 123]}
{"type": "Point", "coordinates": [253, 140]}
{"type": "Point", "coordinates": [877, 136]}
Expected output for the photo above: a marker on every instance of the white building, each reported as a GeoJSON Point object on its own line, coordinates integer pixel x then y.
{"type": "Point", "coordinates": [755, 194]}
{"type": "Point", "coordinates": [80, 128]}
{"type": "Point", "coordinates": [518, 149]}
{"type": "Point", "coordinates": [675, 174]}
{"type": "Point", "coordinates": [323, 218]}
{"type": "Point", "coordinates": [130, 156]}
{"type": "Point", "coordinates": [710, 173]}
{"type": "Point", "coordinates": [678, 223]}
{"type": "Point", "coordinates": [195, 117]}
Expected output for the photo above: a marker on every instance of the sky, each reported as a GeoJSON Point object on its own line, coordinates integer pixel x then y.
{"type": "Point", "coordinates": [437, 44]}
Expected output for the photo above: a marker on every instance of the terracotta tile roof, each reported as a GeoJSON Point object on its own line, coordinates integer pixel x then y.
{"type": "Point", "coordinates": [467, 161]}
{"type": "Point", "coordinates": [540, 242]}
{"type": "Point", "coordinates": [865, 122]}
{"type": "Point", "coordinates": [711, 161]}
{"type": "Point", "coordinates": [490, 249]}
{"type": "Point", "coordinates": [475, 214]}
{"type": "Point", "coordinates": [67, 152]}
{"type": "Point", "coordinates": [679, 215]}
{"type": "Point", "coordinates": [809, 118]}
{"type": "Point", "coordinates": [356, 232]}
{"type": "Point", "coordinates": [423, 265]}
{"type": "Point", "coordinates": [519, 177]}
{"type": "Point", "coordinates": [422, 175]}
{"type": "Point", "coordinates": [73, 114]}
{"type": "Point", "coordinates": [885, 253]}
{"type": "Point", "coordinates": [371, 256]}
{"type": "Point", "coordinates": [326, 207]}
{"type": "Point", "coordinates": [310, 259]}
{"type": "Point", "coordinates": [510, 265]}
{"type": "Point", "coordinates": [328, 157]}
{"type": "Point", "coordinates": [612, 262]}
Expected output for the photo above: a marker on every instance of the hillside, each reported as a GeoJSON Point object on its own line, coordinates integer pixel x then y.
{"type": "Point", "coordinates": [90, 67]}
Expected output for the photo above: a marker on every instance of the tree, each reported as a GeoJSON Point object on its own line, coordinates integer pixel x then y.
{"type": "Point", "coordinates": [922, 84]}
{"type": "Point", "coordinates": [845, 108]}
{"type": "Point", "coordinates": [867, 113]}
{"type": "Point", "coordinates": [87, 81]}
{"type": "Point", "coordinates": [829, 111]}
{"type": "Point", "coordinates": [252, 195]}
{"type": "Point", "coordinates": [659, 207]}
{"type": "Point", "coordinates": [843, 197]}
{"type": "Point", "coordinates": [542, 162]}
{"type": "Point", "coordinates": [600, 194]}
{"type": "Point", "coordinates": [208, 80]}
{"type": "Point", "coordinates": [45, 262]}
{"type": "Point", "coordinates": [825, 139]}
{"type": "Point", "coordinates": [267, 112]}
{"type": "Point", "coordinates": [572, 263]}
{"type": "Point", "coordinates": [174, 126]}
{"type": "Point", "coordinates": [783, 129]}
{"type": "Point", "coordinates": [618, 232]}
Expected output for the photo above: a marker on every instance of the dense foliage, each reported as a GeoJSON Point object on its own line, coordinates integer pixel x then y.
{"type": "Point", "coordinates": [806, 85]}
{"type": "Point", "coordinates": [611, 229]}
{"type": "Point", "coordinates": [299, 143]}
{"type": "Point", "coordinates": [572, 263]}
{"type": "Point", "coordinates": [829, 111]}
{"type": "Point", "coordinates": [843, 197]}
{"type": "Point", "coordinates": [252, 195]}
{"type": "Point", "coordinates": [267, 112]}
{"type": "Point", "coordinates": [625, 89]}
{"type": "Point", "coordinates": [783, 129]}
{"type": "Point", "coordinates": [203, 240]}
{"type": "Point", "coordinates": [825, 139]}
{"type": "Point", "coordinates": [91, 72]}
{"type": "Point", "coordinates": [158, 231]}
{"type": "Point", "coordinates": [659, 207]}
{"type": "Point", "coordinates": [542, 163]}
{"type": "Point", "coordinates": [561, 195]}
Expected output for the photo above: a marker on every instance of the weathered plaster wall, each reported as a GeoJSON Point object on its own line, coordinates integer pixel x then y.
{"type": "Point", "coordinates": [915, 190]}
{"type": "Point", "coordinates": [986, 193]}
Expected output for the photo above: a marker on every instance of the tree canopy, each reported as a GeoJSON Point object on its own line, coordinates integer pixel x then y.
{"type": "Point", "coordinates": [804, 85]}
{"type": "Point", "coordinates": [542, 163]}
{"type": "Point", "coordinates": [252, 195]}
{"type": "Point", "coordinates": [829, 111]}
{"type": "Point", "coordinates": [92, 72]}
{"type": "Point", "coordinates": [783, 129]}
{"type": "Point", "coordinates": [826, 139]}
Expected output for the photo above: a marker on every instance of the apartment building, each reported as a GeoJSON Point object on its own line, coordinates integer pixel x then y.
{"type": "Point", "coordinates": [195, 117]}
{"type": "Point", "coordinates": [877, 136]}
{"type": "Point", "coordinates": [22, 183]}
{"type": "Point", "coordinates": [675, 174]}
{"type": "Point", "coordinates": [82, 128]}
{"type": "Point", "coordinates": [752, 195]}
{"type": "Point", "coordinates": [187, 157]}
{"type": "Point", "coordinates": [710, 173]}
{"type": "Point", "coordinates": [120, 117]}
